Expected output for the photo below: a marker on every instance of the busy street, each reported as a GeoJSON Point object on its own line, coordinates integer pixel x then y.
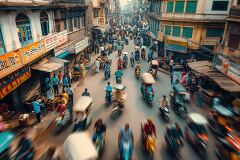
{"type": "Point", "coordinates": [119, 80]}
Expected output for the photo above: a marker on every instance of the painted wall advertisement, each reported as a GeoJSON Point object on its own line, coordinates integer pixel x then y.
{"type": "Point", "coordinates": [56, 40]}
{"type": "Point", "coordinates": [10, 62]}
{"type": "Point", "coordinates": [14, 80]}
{"type": "Point", "coordinates": [81, 45]}
{"type": "Point", "coordinates": [228, 68]}
{"type": "Point", "coordinates": [33, 51]}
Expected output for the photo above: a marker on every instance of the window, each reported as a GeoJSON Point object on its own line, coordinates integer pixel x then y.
{"type": "Point", "coordinates": [70, 24]}
{"type": "Point", "coordinates": [164, 7]}
{"type": "Point", "coordinates": [220, 5]}
{"type": "Point", "coordinates": [179, 7]}
{"type": "Point", "coordinates": [2, 46]}
{"type": "Point", "coordinates": [24, 29]}
{"type": "Point", "coordinates": [44, 23]}
{"type": "Point", "coordinates": [176, 31]}
{"type": "Point", "coordinates": [191, 7]}
{"type": "Point", "coordinates": [170, 6]}
{"type": "Point", "coordinates": [214, 32]}
{"type": "Point", "coordinates": [233, 42]}
{"type": "Point", "coordinates": [79, 23]}
{"type": "Point", "coordinates": [65, 24]}
{"type": "Point", "coordinates": [187, 32]}
{"type": "Point", "coordinates": [167, 30]}
{"type": "Point", "coordinates": [75, 23]}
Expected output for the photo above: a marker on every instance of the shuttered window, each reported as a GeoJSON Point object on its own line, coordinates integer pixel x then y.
{"type": "Point", "coordinates": [191, 7]}
{"type": "Point", "coordinates": [214, 32]}
{"type": "Point", "coordinates": [170, 6]}
{"type": "Point", "coordinates": [179, 7]}
{"type": "Point", "coordinates": [167, 30]}
{"type": "Point", "coordinates": [176, 31]}
{"type": "Point", "coordinates": [234, 41]}
{"type": "Point", "coordinates": [187, 32]}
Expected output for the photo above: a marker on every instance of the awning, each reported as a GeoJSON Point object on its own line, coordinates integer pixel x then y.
{"type": "Point", "coordinates": [62, 53]}
{"type": "Point", "coordinates": [58, 60]}
{"type": "Point", "coordinates": [47, 65]}
{"type": "Point", "coordinates": [205, 68]}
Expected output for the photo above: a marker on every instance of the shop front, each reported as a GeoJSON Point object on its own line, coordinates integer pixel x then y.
{"type": "Point", "coordinates": [214, 83]}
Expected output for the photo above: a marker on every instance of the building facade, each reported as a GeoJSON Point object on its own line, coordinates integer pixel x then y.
{"type": "Point", "coordinates": [185, 26]}
{"type": "Point", "coordinates": [37, 38]}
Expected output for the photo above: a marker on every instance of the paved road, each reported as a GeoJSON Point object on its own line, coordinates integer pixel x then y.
{"type": "Point", "coordinates": [136, 111]}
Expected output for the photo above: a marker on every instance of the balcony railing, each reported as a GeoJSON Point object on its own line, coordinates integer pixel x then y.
{"type": "Point", "coordinates": [68, 1]}
{"type": "Point", "coordinates": [235, 11]}
{"type": "Point", "coordinates": [26, 1]}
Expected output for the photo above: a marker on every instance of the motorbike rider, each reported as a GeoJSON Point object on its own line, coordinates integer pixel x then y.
{"type": "Point", "coordinates": [149, 129]}
{"type": "Point", "coordinates": [108, 89]}
{"type": "Point", "coordinates": [138, 67]}
{"type": "Point", "coordinates": [164, 102]}
{"type": "Point", "coordinates": [86, 93]}
{"type": "Point", "coordinates": [118, 96]}
{"type": "Point", "coordinates": [125, 59]}
{"type": "Point", "coordinates": [120, 63]}
{"type": "Point", "coordinates": [175, 132]}
{"type": "Point", "coordinates": [132, 58]}
{"type": "Point", "coordinates": [143, 54]}
{"type": "Point", "coordinates": [118, 75]}
{"type": "Point", "coordinates": [137, 55]}
{"type": "Point", "coordinates": [107, 69]}
{"type": "Point", "coordinates": [126, 135]}
{"type": "Point", "coordinates": [100, 130]}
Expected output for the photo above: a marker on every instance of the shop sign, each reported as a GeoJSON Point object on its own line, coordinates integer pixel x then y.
{"type": "Point", "coordinates": [55, 40]}
{"type": "Point", "coordinates": [101, 21]}
{"type": "Point", "coordinates": [14, 80]}
{"type": "Point", "coordinates": [33, 51]}
{"type": "Point", "coordinates": [10, 62]}
{"type": "Point", "coordinates": [228, 68]}
{"type": "Point", "coordinates": [79, 46]}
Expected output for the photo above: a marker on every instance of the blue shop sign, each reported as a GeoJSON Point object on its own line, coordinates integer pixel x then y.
{"type": "Point", "coordinates": [62, 54]}
{"type": "Point", "coordinates": [176, 48]}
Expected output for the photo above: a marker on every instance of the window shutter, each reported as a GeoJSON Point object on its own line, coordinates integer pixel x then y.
{"type": "Point", "coordinates": [176, 31]}
{"type": "Point", "coordinates": [191, 7]}
{"type": "Point", "coordinates": [179, 7]}
{"type": "Point", "coordinates": [187, 32]}
{"type": "Point", "coordinates": [170, 6]}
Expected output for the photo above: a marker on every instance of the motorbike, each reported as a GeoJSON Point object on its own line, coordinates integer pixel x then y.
{"type": "Point", "coordinates": [148, 144]}
{"type": "Point", "coordinates": [63, 121]}
{"type": "Point", "coordinates": [119, 53]}
{"type": "Point", "coordinates": [117, 109]}
{"type": "Point", "coordinates": [108, 97]}
{"type": "Point", "coordinates": [126, 150]}
{"type": "Point", "coordinates": [149, 97]}
{"type": "Point", "coordinates": [174, 144]}
{"type": "Point", "coordinates": [119, 80]}
{"type": "Point", "coordinates": [143, 55]}
{"type": "Point", "coordinates": [164, 113]}
{"type": "Point", "coordinates": [107, 74]}
{"type": "Point", "coordinates": [125, 63]}
{"type": "Point", "coordinates": [100, 144]}
{"type": "Point", "coordinates": [137, 73]}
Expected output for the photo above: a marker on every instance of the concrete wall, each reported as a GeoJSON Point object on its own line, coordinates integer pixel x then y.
{"type": "Point", "coordinates": [10, 32]}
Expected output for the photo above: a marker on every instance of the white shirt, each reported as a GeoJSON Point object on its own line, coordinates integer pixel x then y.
{"type": "Point", "coordinates": [171, 62]}
{"type": "Point", "coordinates": [69, 91]}
{"type": "Point", "coordinates": [97, 63]}
{"type": "Point", "coordinates": [101, 48]}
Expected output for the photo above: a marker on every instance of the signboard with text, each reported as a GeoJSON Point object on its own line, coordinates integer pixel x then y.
{"type": "Point", "coordinates": [79, 46]}
{"type": "Point", "coordinates": [10, 62]}
{"type": "Point", "coordinates": [55, 40]}
{"type": "Point", "coordinates": [33, 51]}
{"type": "Point", "coordinates": [228, 68]}
{"type": "Point", "coordinates": [14, 80]}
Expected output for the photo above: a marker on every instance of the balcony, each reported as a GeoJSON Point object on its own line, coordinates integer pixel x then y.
{"type": "Point", "coordinates": [68, 1]}
{"type": "Point", "coordinates": [235, 11]}
{"type": "Point", "coordinates": [25, 1]}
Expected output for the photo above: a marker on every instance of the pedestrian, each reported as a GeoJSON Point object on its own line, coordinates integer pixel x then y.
{"type": "Point", "coordinates": [70, 75]}
{"type": "Point", "coordinates": [46, 82]}
{"type": "Point", "coordinates": [171, 63]}
{"type": "Point", "coordinates": [97, 64]}
{"type": "Point", "coordinates": [55, 83]}
{"type": "Point", "coordinates": [150, 55]}
{"type": "Point", "coordinates": [65, 83]}
{"type": "Point", "coordinates": [50, 94]}
{"type": "Point", "coordinates": [83, 70]}
{"type": "Point", "coordinates": [37, 108]}
{"type": "Point", "coordinates": [86, 93]}
{"type": "Point", "coordinates": [70, 93]}
{"type": "Point", "coordinates": [199, 100]}
{"type": "Point", "coordinates": [60, 76]}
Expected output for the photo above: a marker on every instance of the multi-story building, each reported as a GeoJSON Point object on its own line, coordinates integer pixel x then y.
{"type": "Point", "coordinates": [100, 14]}
{"type": "Point", "coordinates": [187, 25]}
{"type": "Point", "coordinates": [37, 38]}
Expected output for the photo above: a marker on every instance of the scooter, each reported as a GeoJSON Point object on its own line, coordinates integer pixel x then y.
{"type": "Point", "coordinates": [117, 109]}
{"type": "Point", "coordinates": [119, 53]}
{"type": "Point", "coordinates": [126, 150]}
{"type": "Point", "coordinates": [108, 97]}
{"type": "Point", "coordinates": [173, 145]}
{"type": "Point", "coordinates": [125, 63]}
{"type": "Point", "coordinates": [164, 113]}
{"type": "Point", "coordinates": [137, 73]}
{"type": "Point", "coordinates": [132, 61]}
{"type": "Point", "coordinates": [100, 144]}
{"type": "Point", "coordinates": [118, 80]}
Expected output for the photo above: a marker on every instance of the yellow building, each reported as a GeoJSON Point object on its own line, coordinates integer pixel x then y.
{"type": "Point", "coordinates": [185, 25]}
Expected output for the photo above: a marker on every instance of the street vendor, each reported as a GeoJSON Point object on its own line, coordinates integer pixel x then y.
{"type": "Point", "coordinates": [63, 98]}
